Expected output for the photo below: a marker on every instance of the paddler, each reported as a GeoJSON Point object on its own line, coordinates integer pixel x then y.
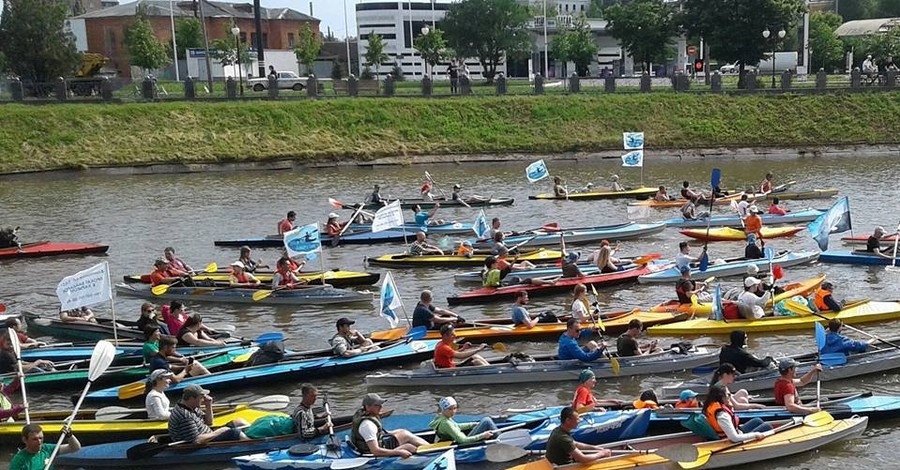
{"type": "Point", "coordinates": [689, 210]}
{"type": "Point", "coordinates": [240, 277]}
{"type": "Point", "coordinates": [423, 218]}
{"type": "Point", "coordinates": [287, 224]}
{"type": "Point", "coordinates": [604, 258]}
{"type": "Point", "coordinates": [786, 386]}
{"type": "Point", "coordinates": [766, 186]}
{"type": "Point", "coordinates": [873, 244]}
{"type": "Point", "coordinates": [584, 400]}
{"type": "Point", "coordinates": [446, 429]}
{"type": "Point", "coordinates": [456, 195]}
{"type": "Point", "coordinates": [558, 189]}
{"type": "Point", "coordinates": [724, 376]}
{"type": "Point", "coordinates": [425, 192]}
{"type": "Point", "coordinates": [305, 419]}
{"type": "Point", "coordinates": [420, 247]}
{"type": "Point", "coordinates": [581, 306]}
{"type": "Point", "coordinates": [148, 318]}
{"type": "Point", "coordinates": [753, 223]}
{"type": "Point", "coordinates": [284, 276]}
{"type": "Point", "coordinates": [614, 184]}
{"type": "Point", "coordinates": [835, 342]}
{"type": "Point", "coordinates": [162, 275]}
{"type": "Point", "coordinates": [367, 432]}
{"type": "Point", "coordinates": [375, 198]}
{"type": "Point", "coordinates": [627, 344]}
{"type": "Point", "coordinates": [507, 267]}
{"type": "Point", "coordinates": [687, 399]}
{"type": "Point", "coordinates": [737, 355]}
{"type": "Point", "coordinates": [742, 206]}
{"type": "Point", "coordinates": [8, 363]}
{"type": "Point", "coordinates": [697, 196]}
{"type": "Point", "coordinates": [83, 314]}
{"type": "Point", "coordinates": [687, 288]}
{"type": "Point", "coordinates": [776, 209]}
{"type": "Point", "coordinates": [333, 226]}
{"type": "Point", "coordinates": [752, 302]}
{"type": "Point", "coordinates": [188, 423]}
{"type": "Point", "coordinates": [520, 315]}
{"type": "Point", "coordinates": [25, 342]}
{"type": "Point", "coordinates": [176, 265]}
{"type": "Point", "coordinates": [752, 250]}
{"type": "Point", "coordinates": [722, 419]}
{"type": "Point", "coordinates": [563, 449]}
{"type": "Point", "coordinates": [348, 342]}
{"type": "Point", "coordinates": [35, 454]}
{"type": "Point", "coordinates": [661, 195]}
{"type": "Point", "coordinates": [646, 401]}
{"type": "Point", "coordinates": [568, 347]}
{"type": "Point", "coordinates": [431, 317]}
{"type": "Point", "coordinates": [824, 298]}
{"type": "Point", "coordinates": [156, 402]}
{"type": "Point", "coordinates": [445, 356]}
{"type": "Point", "coordinates": [250, 266]}
{"type": "Point", "coordinates": [193, 333]}
{"type": "Point", "coordinates": [684, 258]}
{"type": "Point", "coordinates": [168, 359]}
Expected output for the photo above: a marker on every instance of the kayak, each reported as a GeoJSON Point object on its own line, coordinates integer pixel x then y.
{"type": "Point", "coordinates": [296, 370]}
{"type": "Point", "coordinates": [103, 329]}
{"type": "Point", "coordinates": [801, 195]}
{"type": "Point", "coordinates": [46, 248]}
{"type": "Point", "coordinates": [502, 328]}
{"type": "Point", "coordinates": [791, 438]}
{"type": "Point", "coordinates": [678, 202]}
{"type": "Point", "coordinates": [734, 221]}
{"type": "Point", "coordinates": [404, 260]}
{"type": "Point", "coordinates": [854, 257]}
{"type": "Point", "coordinates": [335, 277]}
{"type": "Point", "coordinates": [863, 239]}
{"type": "Point", "coordinates": [634, 193]}
{"type": "Point", "coordinates": [410, 203]}
{"type": "Point", "coordinates": [585, 267]}
{"type": "Point", "coordinates": [730, 267]}
{"type": "Point", "coordinates": [626, 231]}
{"type": "Point", "coordinates": [566, 284]}
{"type": "Point", "coordinates": [350, 238]}
{"type": "Point", "coordinates": [863, 312]}
{"type": "Point", "coordinates": [544, 369]}
{"type": "Point", "coordinates": [323, 457]}
{"type": "Point", "coordinates": [803, 288]}
{"type": "Point", "coordinates": [725, 234]}
{"type": "Point", "coordinates": [302, 295]}
{"type": "Point", "coordinates": [447, 228]}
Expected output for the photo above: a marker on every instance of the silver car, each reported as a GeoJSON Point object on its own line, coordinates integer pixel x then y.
{"type": "Point", "coordinates": [286, 81]}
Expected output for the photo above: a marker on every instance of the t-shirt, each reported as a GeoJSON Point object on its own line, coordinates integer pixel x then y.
{"type": "Point", "coordinates": [285, 226]}
{"type": "Point", "coordinates": [158, 363]}
{"type": "Point", "coordinates": [340, 344]}
{"type": "Point", "coordinates": [25, 460]}
{"type": "Point", "coordinates": [580, 310]}
{"type": "Point", "coordinates": [785, 387]}
{"type": "Point", "coordinates": [305, 422]}
{"type": "Point", "coordinates": [583, 398]}
{"type": "Point", "coordinates": [157, 405]}
{"type": "Point", "coordinates": [423, 315]}
{"type": "Point", "coordinates": [443, 356]}
{"type": "Point", "coordinates": [560, 445]}
{"type": "Point", "coordinates": [157, 277]}
{"type": "Point", "coordinates": [421, 218]}
{"type": "Point", "coordinates": [186, 425]}
{"type": "Point", "coordinates": [491, 278]}
{"type": "Point", "coordinates": [416, 248]}
{"type": "Point", "coordinates": [742, 209]}
{"type": "Point", "coordinates": [682, 288]}
{"type": "Point", "coordinates": [682, 260]}
{"type": "Point", "coordinates": [627, 346]}
{"type": "Point", "coordinates": [873, 244]}
{"type": "Point", "coordinates": [775, 210]}
{"type": "Point", "coordinates": [151, 349]}
{"type": "Point", "coordinates": [520, 315]}
{"type": "Point", "coordinates": [368, 431]}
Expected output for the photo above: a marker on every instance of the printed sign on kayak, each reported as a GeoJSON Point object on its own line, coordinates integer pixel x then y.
{"type": "Point", "coordinates": [633, 140]}
{"type": "Point", "coordinates": [85, 288]}
{"type": "Point", "coordinates": [302, 240]}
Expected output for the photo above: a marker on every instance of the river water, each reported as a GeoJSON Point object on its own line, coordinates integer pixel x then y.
{"type": "Point", "coordinates": [140, 215]}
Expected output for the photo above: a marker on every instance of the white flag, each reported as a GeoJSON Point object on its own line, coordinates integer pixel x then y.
{"type": "Point", "coordinates": [536, 171]}
{"type": "Point", "coordinates": [88, 287]}
{"type": "Point", "coordinates": [633, 140]}
{"type": "Point", "coordinates": [390, 301]}
{"type": "Point", "coordinates": [480, 227]}
{"type": "Point", "coordinates": [303, 240]}
{"type": "Point", "coordinates": [389, 216]}
{"type": "Point", "coordinates": [633, 158]}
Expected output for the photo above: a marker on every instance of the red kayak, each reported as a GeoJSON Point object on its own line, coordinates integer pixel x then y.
{"type": "Point", "coordinates": [34, 250]}
{"type": "Point", "coordinates": [564, 285]}
{"type": "Point", "coordinates": [863, 239]}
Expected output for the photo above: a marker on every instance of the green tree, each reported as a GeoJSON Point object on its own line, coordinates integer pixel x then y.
{"type": "Point", "coordinates": [827, 49]}
{"type": "Point", "coordinates": [34, 39]}
{"type": "Point", "coordinates": [884, 45]}
{"type": "Point", "coordinates": [888, 9]}
{"type": "Point", "coordinates": [144, 48]}
{"type": "Point", "coordinates": [575, 45]}
{"type": "Point", "coordinates": [227, 52]}
{"type": "Point", "coordinates": [645, 28]}
{"type": "Point", "coordinates": [431, 47]}
{"type": "Point", "coordinates": [488, 30]}
{"type": "Point", "coordinates": [307, 47]}
{"type": "Point", "coordinates": [188, 35]}
{"type": "Point", "coordinates": [857, 9]}
{"type": "Point", "coordinates": [733, 28]}
{"type": "Point", "coordinates": [375, 54]}
{"type": "Point", "coordinates": [337, 72]}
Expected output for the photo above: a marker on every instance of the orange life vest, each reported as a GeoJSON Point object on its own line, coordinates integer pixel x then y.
{"type": "Point", "coordinates": [820, 298]}
{"type": "Point", "coordinates": [710, 414]}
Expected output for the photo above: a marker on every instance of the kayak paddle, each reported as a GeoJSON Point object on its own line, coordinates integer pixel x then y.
{"type": "Point", "coordinates": [333, 442]}
{"type": "Point", "coordinates": [349, 463]}
{"type": "Point", "coordinates": [714, 180]}
{"type": "Point", "coordinates": [163, 288]}
{"type": "Point", "coordinates": [17, 350]}
{"type": "Point", "coordinates": [149, 449]}
{"type": "Point", "coordinates": [893, 267]}
{"type": "Point", "coordinates": [803, 310]}
{"type": "Point", "coordinates": [613, 362]}
{"type": "Point", "coordinates": [502, 453]}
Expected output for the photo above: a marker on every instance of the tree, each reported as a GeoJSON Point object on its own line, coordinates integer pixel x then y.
{"type": "Point", "coordinates": [857, 9]}
{"type": "Point", "coordinates": [337, 72]}
{"type": "Point", "coordinates": [35, 41]}
{"type": "Point", "coordinates": [488, 30]}
{"type": "Point", "coordinates": [431, 47]}
{"type": "Point", "coordinates": [575, 45]}
{"type": "Point", "coordinates": [308, 46]}
{"type": "Point", "coordinates": [375, 54]}
{"type": "Point", "coordinates": [888, 9]}
{"type": "Point", "coordinates": [144, 48]}
{"type": "Point", "coordinates": [188, 35]}
{"type": "Point", "coordinates": [645, 28]}
{"type": "Point", "coordinates": [827, 49]}
{"type": "Point", "coordinates": [227, 52]}
{"type": "Point", "coordinates": [884, 45]}
{"type": "Point", "coordinates": [733, 28]}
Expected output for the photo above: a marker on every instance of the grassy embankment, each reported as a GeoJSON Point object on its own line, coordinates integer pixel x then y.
{"type": "Point", "coordinates": [74, 136]}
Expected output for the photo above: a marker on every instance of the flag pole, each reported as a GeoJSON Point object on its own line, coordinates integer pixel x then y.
{"type": "Point", "coordinates": [112, 306]}
{"type": "Point", "coordinates": [322, 253]}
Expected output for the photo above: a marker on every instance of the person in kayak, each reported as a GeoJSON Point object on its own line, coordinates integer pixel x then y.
{"type": "Point", "coordinates": [250, 266]}
{"type": "Point", "coordinates": [584, 400]}
{"type": "Point", "coordinates": [687, 399]}
{"type": "Point", "coordinates": [696, 196]}
{"type": "Point", "coordinates": [348, 342]}
{"type": "Point", "coordinates": [684, 258]}
{"type": "Point", "coordinates": [724, 376]}
{"type": "Point", "coordinates": [423, 218]}
{"type": "Point", "coordinates": [581, 305]}
{"type": "Point", "coordinates": [420, 247]}
{"type": "Point", "coordinates": [188, 423]}
{"type": "Point", "coordinates": [604, 258]}
{"type": "Point", "coordinates": [35, 454]}
{"type": "Point", "coordinates": [614, 184]}
{"type": "Point", "coordinates": [9, 364]}
{"type": "Point", "coordinates": [520, 315]}
{"type": "Point", "coordinates": [766, 186]}
{"type": "Point", "coordinates": [742, 360]}
{"type": "Point", "coordinates": [174, 316]}
{"type": "Point", "coordinates": [752, 250]}
{"type": "Point", "coordinates": [873, 244]}
{"type": "Point", "coordinates": [169, 359]}
{"type": "Point", "coordinates": [559, 190]}
{"type": "Point", "coordinates": [25, 342]}
{"type": "Point", "coordinates": [287, 224]}
{"type": "Point", "coordinates": [742, 206]}
{"type": "Point", "coordinates": [687, 288]}
{"type": "Point", "coordinates": [752, 302]}
{"type": "Point", "coordinates": [753, 223]}
{"type": "Point", "coordinates": [367, 434]}
{"type": "Point", "coordinates": [835, 342]}
{"type": "Point", "coordinates": [193, 333]}
{"type": "Point", "coordinates": [647, 401]}
{"type": "Point", "coordinates": [507, 267]}
{"type": "Point", "coordinates": [425, 192]}
{"type": "Point", "coordinates": [786, 386]}
{"type": "Point", "coordinates": [689, 211]}
{"type": "Point", "coordinates": [721, 418]}
{"type": "Point", "coordinates": [776, 209]}
{"type": "Point", "coordinates": [465, 249]}
{"type": "Point", "coordinates": [284, 277]}
{"type": "Point", "coordinates": [661, 195]}
{"type": "Point", "coordinates": [446, 429]}
{"type": "Point", "coordinates": [240, 277]}
{"type": "Point", "coordinates": [9, 411]}
{"type": "Point", "coordinates": [148, 318]}
{"type": "Point", "coordinates": [563, 449]}
{"type": "Point", "coordinates": [824, 298]}
{"type": "Point", "coordinates": [304, 417]}
{"type": "Point", "coordinates": [334, 227]}
{"type": "Point", "coordinates": [375, 196]}
{"type": "Point", "coordinates": [156, 402]}
{"type": "Point", "coordinates": [163, 275]}
{"type": "Point", "coordinates": [569, 262]}
{"type": "Point", "coordinates": [568, 347]}
{"type": "Point", "coordinates": [627, 344]}
{"type": "Point", "coordinates": [9, 238]}
{"type": "Point", "coordinates": [83, 314]}
{"type": "Point", "coordinates": [176, 265]}
{"type": "Point", "coordinates": [445, 356]}
{"type": "Point", "coordinates": [430, 316]}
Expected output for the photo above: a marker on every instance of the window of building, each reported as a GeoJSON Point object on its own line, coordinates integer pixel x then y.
{"type": "Point", "coordinates": [243, 37]}
{"type": "Point", "coordinates": [291, 40]}
{"type": "Point", "coordinates": [582, 7]}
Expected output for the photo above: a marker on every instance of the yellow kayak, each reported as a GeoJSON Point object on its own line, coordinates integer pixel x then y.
{"type": "Point", "coordinates": [404, 260]}
{"type": "Point", "coordinates": [592, 195]}
{"type": "Point", "coordinates": [725, 234]}
{"type": "Point", "coordinates": [803, 288]}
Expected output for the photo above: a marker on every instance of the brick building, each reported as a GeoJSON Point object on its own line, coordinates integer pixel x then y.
{"type": "Point", "coordinates": [103, 31]}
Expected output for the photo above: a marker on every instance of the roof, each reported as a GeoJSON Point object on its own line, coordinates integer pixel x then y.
{"type": "Point", "coordinates": [867, 27]}
{"type": "Point", "coordinates": [186, 8]}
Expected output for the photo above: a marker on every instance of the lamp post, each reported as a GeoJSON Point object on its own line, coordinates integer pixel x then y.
{"type": "Point", "coordinates": [425, 31]}
{"type": "Point", "coordinates": [766, 33]}
{"type": "Point", "coordinates": [237, 54]}
{"type": "Point", "coordinates": [546, 46]}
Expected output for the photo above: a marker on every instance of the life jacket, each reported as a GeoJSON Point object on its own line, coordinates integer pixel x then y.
{"type": "Point", "coordinates": [355, 438]}
{"type": "Point", "coordinates": [648, 404]}
{"type": "Point", "coordinates": [241, 278]}
{"type": "Point", "coordinates": [286, 279]}
{"type": "Point", "coordinates": [819, 299]}
{"type": "Point", "coordinates": [710, 413]}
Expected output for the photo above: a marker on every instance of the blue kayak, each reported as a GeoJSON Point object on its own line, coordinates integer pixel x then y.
{"type": "Point", "coordinates": [733, 267]}
{"type": "Point", "coordinates": [323, 457]}
{"type": "Point", "coordinates": [298, 370]}
{"type": "Point", "coordinates": [853, 257]}
{"type": "Point", "coordinates": [124, 353]}
{"type": "Point", "coordinates": [734, 221]}
{"type": "Point", "coordinates": [349, 238]}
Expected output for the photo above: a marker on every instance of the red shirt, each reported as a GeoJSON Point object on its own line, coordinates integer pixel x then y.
{"type": "Point", "coordinates": [773, 209]}
{"type": "Point", "coordinates": [285, 226]}
{"type": "Point", "coordinates": [157, 277]}
{"type": "Point", "coordinates": [784, 387]}
{"type": "Point", "coordinates": [443, 356]}
{"type": "Point", "coordinates": [583, 398]}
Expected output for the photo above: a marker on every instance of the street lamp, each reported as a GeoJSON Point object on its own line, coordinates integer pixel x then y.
{"type": "Point", "coordinates": [425, 32]}
{"type": "Point", "coordinates": [766, 33]}
{"type": "Point", "coordinates": [237, 53]}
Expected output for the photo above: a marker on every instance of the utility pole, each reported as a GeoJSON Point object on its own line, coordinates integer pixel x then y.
{"type": "Point", "coordinates": [260, 44]}
{"type": "Point", "coordinates": [546, 46]}
{"type": "Point", "coordinates": [209, 80]}
{"type": "Point", "coordinates": [347, 40]}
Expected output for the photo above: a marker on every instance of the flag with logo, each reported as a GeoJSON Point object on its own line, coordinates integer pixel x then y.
{"type": "Point", "coordinates": [303, 240]}
{"type": "Point", "coordinates": [633, 140]}
{"type": "Point", "coordinates": [390, 301]}
{"type": "Point", "coordinates": [635, 158]}
{"type": "Point", "coordinates": [536, 171]}
{"type": "Point", "coordinates": [480, 226]}
{"type": "Point", "coordinates": [85, 288]}
{"type": "Point", "coordinates": [834, 220]}
{"type": "Point", "coordinates": [387, 217]}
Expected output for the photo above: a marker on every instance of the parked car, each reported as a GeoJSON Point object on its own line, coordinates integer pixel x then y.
{"type": "Point", "coordinates": [735, 68]}
{"type": "Point", "coordinates": [286, 81]}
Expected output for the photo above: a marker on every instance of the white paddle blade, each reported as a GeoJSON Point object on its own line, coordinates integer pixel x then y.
{"type": "Point", "coordinates": [502, 453]}
{"type": "Point", "coordinates": [271, 402]}
{"type": "Point", "coordinates": [515, 437]}
{"type": "Point", "coordinates": [346, 464]}
{"type": "Point", "coordinates": [14, 341]}
{"type": "Point", "coordinates": [101, 358]}
{"type": "Point", "coordinates": [113, 413]}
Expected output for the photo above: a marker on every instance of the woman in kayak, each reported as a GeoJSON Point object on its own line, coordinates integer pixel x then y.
{"type": "Point", "coordinates": [192, 333]}
{"type": "Point", "coordinates": [740, 400]}
{"type": "Point", "coordinates": [446, 429]}
{"type": "Point", "coordinates": [156, 402]}
{"type": "Point", "coordinates": [249, 265]}
{"type": "Point", "coordinates": [721, 418]}
{"type": "Point", "coordinates": [604, 259]}
{"type": "Point", "coordinates": [584, 400]}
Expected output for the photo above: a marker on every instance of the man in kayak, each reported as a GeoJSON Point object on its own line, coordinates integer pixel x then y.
{"type": "Point", "coordinates": [25, 342]}
{"type": "Point", "coordinates": [240, 278]}
{"type": "Point", "coordinates": [287, 224]}
{"type": "Point", "coordinates": [334, 227]}
{"type": "Point", "coordinates": [689, 210]}
{"type": "Point", "coordinates": [429, 316]}
{"type": "Point", "coordinates": [558, 189]}
{"type": "Point", "coordinates": [661, 195]}
{"type": "Point", "coordinates": [753, 223]}
{"type": "Point", "coordinates": [8, 362]}
{"type": "Point", "coordinates": [627, 344]}
{"type": "Point", "coordinates": [83, 314]}
{"type": "Point", "coordinates": [697, 196]}
{"type": "Point", "coordinates": [35, 454]}
{"type": "Point", "coordinates": [445, 356]}
{"type": "Point", "coordinates": [835, 342]}
{"type": "Point", "coordinates": [786, 386]}
{"type": "Point", "coordinates": [687, 288]}
{"type": "Point", "coordinates": [824, 298]}
{"type": "Point", "coordinates": [347, 342]}
{"type": "Point", "coordinates": [568, 347]}
{"type": "Point", "coordinates": [368, 435]}
{"type": "Point", "coordinates": [563, 449]}
{"type": "Point", "coordinates": [420, 247]}
{"type": "Point", "coordinates": [752, 250]}
{"type": "Point", "coordinates": [305, 418]}
{"type": "Point", "coordinates": [684, 258]}
{"type": "Point", "coordinates": [163, 275]}
{"type": "Point", "coordinates": [584, 400]}
{"type": "Point", "coordinates": [742, 360]}
{"type": "Point", "coordinates": [176, 265]}
{"type": "Point", "coordinates": [752, 301]}
{"type": "Point", "coordinates": [188, 423]}
{"type": "Point", "coordinates": [520, 315]}
{"type": "Point", "coordinates": [873, 244]}
{"type": "Point", "coordinates": [446, 429]}
{"type": "Point", "coordinates": [168, 359]}
{"type": "Point", "coordinates": [423, 218]}
{"type": "Point", "coordinates": [742, 206]}
{"type": "Point", "coordinates": [775, 209]}
{"type": "Point", "coordinates": [375, 197]}
{"type": "Point", "coordinates": [614, 184]}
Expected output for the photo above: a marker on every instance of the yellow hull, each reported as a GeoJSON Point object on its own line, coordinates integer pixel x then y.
{"type": "Point", "coordinates": [803, 288]}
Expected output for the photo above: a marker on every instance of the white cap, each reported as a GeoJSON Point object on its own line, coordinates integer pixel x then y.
{"type": "Point", "coordinates": [751, 281]}
{"type": "Point", "coordinates": [332, 216]}
{"type": "Point", "coordinates": [446, 403]}
{"type": "Point", "coordinates": [754, 209]}
{"type": "Point", "coordinates": [239, 264]}
{"type": "Point", "coordinates": [753, 270]}
{"type": "Point", "coordinates": [614, 178]}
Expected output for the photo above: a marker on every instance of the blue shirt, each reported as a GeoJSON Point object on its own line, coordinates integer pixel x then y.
{"type": "Point", "coordinates": [520, 315]}
{"type": "Point", "coordinates": [421, 219]}
{"type": "Point", "coordinates": [836, 343]}
{"type": "Point", "coordinates": [569, 349]}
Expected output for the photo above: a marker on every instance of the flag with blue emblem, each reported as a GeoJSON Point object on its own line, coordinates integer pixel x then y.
{"type": "Point", "coordinates": [834, 220]}
{"type": "Point", "coordinates": [635, 158]}
{"type": "Point", "coordinates": [633, 140]}
{"type": "Point", "coordinates": [303, 240]}
{"type": "Point", "coordinates": [480, 226]}
{"type": "Point", "coordinates": [536, 171]}
{"type": "Point", "coordinates": [390, 301]}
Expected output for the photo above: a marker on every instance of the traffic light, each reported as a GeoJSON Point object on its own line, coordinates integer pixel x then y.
{"type": "Point", "coordinates": [698, 65]}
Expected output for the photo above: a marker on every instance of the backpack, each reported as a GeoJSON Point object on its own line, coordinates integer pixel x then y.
{"type": "Point", "coordinates": [698, 424]}
{"type": "Point", "coordinates": [269, 353]}
{"type": "Point", "coordinates": [271, 426]}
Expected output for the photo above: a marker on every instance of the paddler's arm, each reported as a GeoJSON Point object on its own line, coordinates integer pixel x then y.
{"type": "Point", "coordinates": [72, 444]}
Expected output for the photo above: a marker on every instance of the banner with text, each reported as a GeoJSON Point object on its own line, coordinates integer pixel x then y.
{"type": "Point", "coordinates": [85, 288]}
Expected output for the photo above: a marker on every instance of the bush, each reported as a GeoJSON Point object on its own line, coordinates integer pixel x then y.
{"type": "Point", "coordinates": [367, 74]}
{"type": "Point", "coordinates": [337, 72]}
{"type": "Point", "coordinates": [397, 72]}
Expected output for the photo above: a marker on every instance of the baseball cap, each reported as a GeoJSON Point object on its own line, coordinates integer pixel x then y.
{"type": "Point", "coordinates": [373, 399]}
{"type": "Point", "coordinates": [344, 321]}
{"type": "Point", "coordinates": [751, 281]}
{"type": "Point", "coordinates": [238, 264]}
{"type": "Point", "coordinates": [158, 374]}
{"type": "Point", "coordinates": [685, 269]}
{"type": "Point", "coordinates": [786, 364]}
{"type": "Point", "coordinates": [160, 261]}
{"type": "Point", "coordinates": [585, 375]}
{"type": "Point", "coordinates": [687, 395]}
{"type": "Point", "coordinates": [879, 230]}
{"type": "Point", "coordinates": [193, 391]}
{"type": "Point", "coordinates": [332, 215]}
{"type": "Point", "coordinates": [446, 403]}
{"type": "Point", "coordinates": [456, 186]}
{"type": "Point", "coordinates": [754, 209]}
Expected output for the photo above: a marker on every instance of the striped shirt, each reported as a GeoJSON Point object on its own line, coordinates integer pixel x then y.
{"type": "Point", "coordinates": [186, 424]}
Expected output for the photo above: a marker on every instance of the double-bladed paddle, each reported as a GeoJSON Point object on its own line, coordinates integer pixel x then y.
{"type": "Point", "coordinates": [613, 362]}
{"type": "Point", "coordinates": [714, 179]}
{"type": "Point", "coordinates": [17, 350]}
{"type": "Point", "coordinates": [163, 288]}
